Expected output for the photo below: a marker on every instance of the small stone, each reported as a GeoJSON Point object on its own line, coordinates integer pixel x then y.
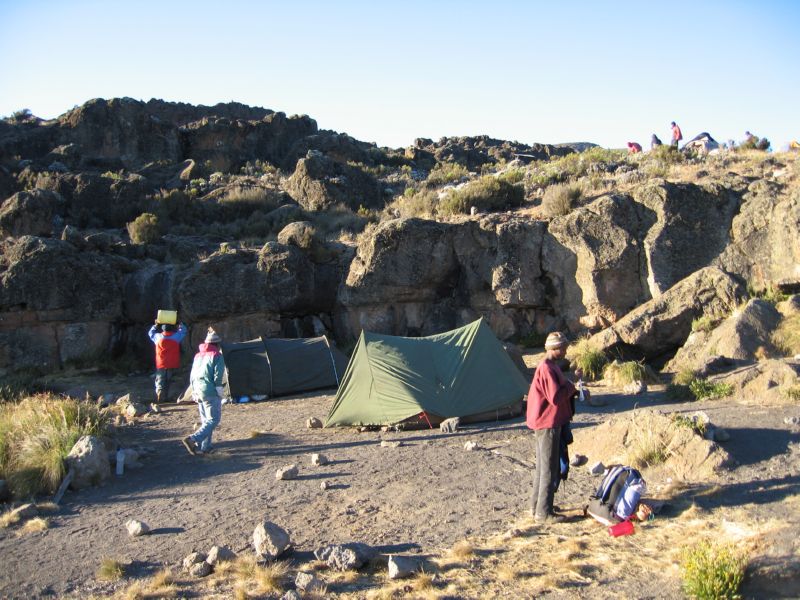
{"type": "Point", "coordinates": [634, 388]}
{"type": "Point", "coordinates": [313, 423]}
{"type": "Point", "coordinates": [388, 444]}
{"type": "Point", "coordinates": [202, 569]}
{"type": "Point", "coordinates": [597, 468]}
{"type": "Point", "coordinates": [345, 557]}
{"type": "Point", "coordinates": [136, 528]}
{"type": "Point", "coordinates": [450, 425]}
{"type": "Point", "coordinates": [193, 559]}
{"type": "Point", "coordinates": [701, 417]}
{"type": "Point", "coordinates": [219, 554]}
{"type": "Point", "coordinates": [319, 459]}
{"type": "Point", "coordinates": [323, 485]}
{"type": "Point", "coordinates": [154, 408]}
{"type": "Point", "coordinates": [123, 400]}
{"type": "Point", "coordinates": [308, 583]}
{"type": "Point", "coordinates": [470, 446]}
{"type": "Point", "coordinates": [270, 540]}
{"type": "Point", "coordinates": [134, 410]}
{"type": "Point", "coordinates": [791, 420]}
{"type": "Point", "coordinates": [285, 473]}
{"type": "Point", "coordinates": [402, 566]}
{"type": "Point", "coordinates": [578, 460]}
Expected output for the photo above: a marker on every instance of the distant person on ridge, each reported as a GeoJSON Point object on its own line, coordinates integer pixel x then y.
{"type": "Point", "coordinates": [207, 381]}
{"type": "Point", "coordinates": [634, 148]}
{"type": "Point", "coordinates": [167, 339]}
{"type": "Point", "coordinates": [550, 408]}
{"type": "Point", "coordinates": [654, 141]}
{"type": "Point", "coordinates": [677, 136]}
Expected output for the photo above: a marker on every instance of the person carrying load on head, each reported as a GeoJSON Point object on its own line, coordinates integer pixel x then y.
{"type": "Point", "coordinates": [167, 339]}
{"type": "Point", "coordinates": [207, 380]}
{"type": "Point", "coordinates": [551, 406]}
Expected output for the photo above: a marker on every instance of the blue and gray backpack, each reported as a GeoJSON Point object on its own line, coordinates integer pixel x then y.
{"type": "Point", "coordinates": [618, 495]}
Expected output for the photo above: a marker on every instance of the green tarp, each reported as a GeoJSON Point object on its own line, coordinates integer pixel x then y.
{"type": "Point", "coordinates": [454, 374]}
{"type": "Point", "coordinates": [277, 366]}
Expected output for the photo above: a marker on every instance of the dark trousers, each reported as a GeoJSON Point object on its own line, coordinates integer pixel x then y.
{"type": "Point", "coordinates": [547, 473]}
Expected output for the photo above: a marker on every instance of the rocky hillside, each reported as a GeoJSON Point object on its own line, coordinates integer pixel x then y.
{"type": "Point", "coordinates": [259, 223]}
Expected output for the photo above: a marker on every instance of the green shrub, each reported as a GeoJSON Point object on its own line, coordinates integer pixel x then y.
{"type": "Point", "coordinates": [703, 389]}
{"type": "Point", "coordinates": [588, 359]}
{"type": "Point", "coordinates": [696, 425]}
{"type": "Point", "coordinates": [713, 571]}
{"type": "Point", "coordinates": [487, 194]}
{"type": "Point", "coordinates": [793, 393]}
{"type": "Point", "coordinates": [145, 229]}
{"type": "Point", "coordinates": [626, 372]}
{"type": "Point", "coordinates": [560, 199]}
{"type": "Point", "coordinates": [512, 176]}
{"type": "Point", "coordinates": [666, 154]}
{"type": "Point", "coordinates": [36, 435]}
{"type": "Point", "coordinates": [414, 204]}
{"type": "Point", "coordinates": [444, 173]}
{"type": "Point", "coordinates": [704, 323]}
{"type": "Point", "coordinates": [755, 143]}
{"type": "Point", "coordinates": [685, 377]}
{"type": "Point", "coordinates": [110, 570]}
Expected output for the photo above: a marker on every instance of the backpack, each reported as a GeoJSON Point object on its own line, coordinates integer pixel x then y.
{"type": "Point", "coordinates": [617, 496]}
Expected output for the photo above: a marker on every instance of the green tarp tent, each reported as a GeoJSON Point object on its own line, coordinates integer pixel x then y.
{"type": "Point", "coordinates": [461, 373]}
{"type": "Point", "coordinates": [275, 366]}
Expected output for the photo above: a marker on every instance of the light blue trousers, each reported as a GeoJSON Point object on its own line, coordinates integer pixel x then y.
{"type": "Point", "coordinates": [210, 413]}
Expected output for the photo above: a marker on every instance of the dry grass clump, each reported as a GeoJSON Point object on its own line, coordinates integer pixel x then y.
{"type": "Point", "coordinates": [160, 585]}
{"type": "Point", "coordinates": [266, 579]}
{"type": "Point", "coordinates": [486, 194]}
{"type": "Point", "coordinates": [787, 337]}
{"type": "Point", "coordinates": [36, 435]}
{"type": "Point", "coordinates": [34, 525]}
{"type": "Point", "coordinates": [560, 199]}
{"type": "Point", "coordinates": [110, 569]}
{"type": "Point", "coordinates": [588, 358]}
{"type": "Point", "coordinates": [649, 441]}
{"type": "Point", "coordinates": [462, 550]}
{"type": "Point", "coordinates": [623, 373]}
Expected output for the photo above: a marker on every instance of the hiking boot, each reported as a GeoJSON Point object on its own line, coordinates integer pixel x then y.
{"type": "Point", "coordinates": [191, 446]}
{"type": "Point", "coordinates": [550, 518]}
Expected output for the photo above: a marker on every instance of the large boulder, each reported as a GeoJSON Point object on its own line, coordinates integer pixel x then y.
{"type": "Point", "coordinates": [766, 383]}
{"type": "Point", "coordinates": [270, 540]}
{"type": "Point", "coordinates": [690, 230]}
{"type": "Point", "coordinates": [30, 213]}
{"type": "Point", "coordinates": [743, 337]}
{"type": "Point", "coordinates": [89, 461]}
{"type": "Point", "coordinates": [764, 246]}
{"type": "Point", "coordinates": [319, 183]}
{"type": "Point", "coordinates": [662, 324]}
{"type": "Point", "coordinates": [595, 259]}
{"type": "Point", "coordinates": [337, 146]}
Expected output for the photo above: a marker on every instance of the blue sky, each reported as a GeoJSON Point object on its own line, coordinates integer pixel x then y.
{"type": "Point", "coordinates": [389, 72]}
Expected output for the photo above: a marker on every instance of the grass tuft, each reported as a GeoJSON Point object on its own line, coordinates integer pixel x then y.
{"type": "Point", "coordinates": [34, 525]}
{"type": "Point", "coordinates": [703, 389]}
{"type": "Point", "coordinates": [589, 359]}
{"type": "Point", "coordinates": [462, 550]}
{"type": "Point", "coordinates": [713, 571]}
{"type": "Point", "coordinates": [560, 199]}
{"type": "Point", "coordinates": [110, 570]}
{"type": "Point", "coordinates": [787, 337]}
{"type": "Point", "coordinates": [624, 373]}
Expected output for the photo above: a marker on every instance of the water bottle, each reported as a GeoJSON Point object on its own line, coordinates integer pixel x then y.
{"type": "Point", "coordinates": [120, 461]}
{"type": "Point", "coordinates": [581, 396]}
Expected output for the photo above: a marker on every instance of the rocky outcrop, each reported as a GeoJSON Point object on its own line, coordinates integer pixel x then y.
{"type": "Point", "coordinates": [764, 247]}
{"type": "Point", "coordinates": [30, 213]}
{"type": "Point", "coordinates": [319, 183]}
{"type": "Point", "coordinates": [745, 336]}
{"type": "Point", "coordinates": [473, 152]}
{"type": "Point", "coordinates": [662, 324]}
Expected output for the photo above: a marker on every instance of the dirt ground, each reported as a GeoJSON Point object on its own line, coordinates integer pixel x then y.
{"type": "Point", "coordinates": [420, 497]}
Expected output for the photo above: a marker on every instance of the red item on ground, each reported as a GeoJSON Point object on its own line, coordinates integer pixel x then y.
{"type": "Point", "coordinates": [623, 528]}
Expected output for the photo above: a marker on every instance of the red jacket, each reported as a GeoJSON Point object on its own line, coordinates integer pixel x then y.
{"type": "Point", "coordinates": [549, 397]}
{"type": "Point", "coordinates": [168, 352]}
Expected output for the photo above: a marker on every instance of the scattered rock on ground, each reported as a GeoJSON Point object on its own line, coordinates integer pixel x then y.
{"type": "Point", "coordinates": [388, 444]}
{"type": "Point", "coordinates": [450, 425]}
{"type": "Point", "coordinates": [285, 473]}
{"type": "Point", "coordinates": [219, 554]}
{"type": "Point", "coordinates": [308, 583]}
{"type": "Point", "coordinates": [791, 420]}
{"type": "Point", "coordinates": [136, 528]}
{"type": "Point", "coordinates": [134, 409]}
{"type": "Point", "coordinates": [323, 485]}
{"type": "Point", "coordinates": [89, 459]}
{"type": "Point", "coordinates": [345, 557]}
{"type": "Point", "coordinates": [470, 446]}
{"type": "Point", "coordinates": [633, 388]}
{"type": "Point", "coordinates": [319, 459]}
{"type": "Point", "coordinates": [402, 566]}
{"type": "Point", "coordinates": [193, 559]}
{"type": "Point", "coordinates": [313, 423]}
{"type": "Point", "coordinates": [596, 468]}
{"type": "Point", "coordinates": [202, 569]}
{"type": "Point", "coordinates": [270, 540]}
{"type": "Point", "coordinates": [578, 460]}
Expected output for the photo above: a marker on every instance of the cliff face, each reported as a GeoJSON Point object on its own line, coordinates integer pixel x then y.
{"type": "Point", "coordinates": [638, 257]}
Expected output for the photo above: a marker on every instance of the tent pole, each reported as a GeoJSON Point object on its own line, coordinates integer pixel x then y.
{"type": "Point", "coordinates": [269, 364]}
{"type": "Point", "coordinates": [333, 362]}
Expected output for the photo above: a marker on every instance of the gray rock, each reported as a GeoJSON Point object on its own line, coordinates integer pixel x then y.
{"type": "Point", "coordinates": [633, 388]}
{"type": "Point", "coordinates": [134, 410]}
{"type": "Point", "coordinates": [89, 460]}
{"type": "Point", "coordinates": [791, 420]}
{"type": "Point", "coordinates": [308, 583]}
{"type": "Point", "coordinates": [388, 444]}
{"type": "Point", "coordinates": [5, 492]}
{"type": "Point", "coordinates": [285, 473]}
{"type": "Point", "coordinates": [123, 400]}
{"type": "Point", "coordinates": [313, 423]}
{"type": "Point", "coordinates": [323, 485]}
{"type": "Point", "coordinates": [319, 459]}
{"type": "Point", "coordinates": [345, 557]}
{"type": "Point", "coordinates": [202, 569]}
{"type": "Point", "coordinates": [596, 468]}
{"type": "Point", "coordinates": [193, 559]}
{"type": "Point", "coordinates": [402, 566]}
{"type": "Point", "coordinates": [450, 425]}
{"type": "Point", "coordinates": [219, 554]}
{"type": "Point", "coordinates": [578, 460]}
{"type": "Point", "coordinates": [470, 446]}
{"type": "Point", "coordinates": [270, 540]}
{"type": "Point", "coordinates": [136, 528]}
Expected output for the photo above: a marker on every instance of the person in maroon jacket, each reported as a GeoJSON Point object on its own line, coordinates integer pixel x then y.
{"type": "Point", "coordinates": [549, 409]}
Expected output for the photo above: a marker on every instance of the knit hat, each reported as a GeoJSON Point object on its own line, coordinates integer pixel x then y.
{"type": "Point", "coordinates": [212, 337]}
{"type": "Point", "coordinates": [555, 340]}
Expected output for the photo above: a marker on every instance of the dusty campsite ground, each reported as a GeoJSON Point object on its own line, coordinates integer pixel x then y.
{"type": "Point", "coordinates": [424, 497]}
